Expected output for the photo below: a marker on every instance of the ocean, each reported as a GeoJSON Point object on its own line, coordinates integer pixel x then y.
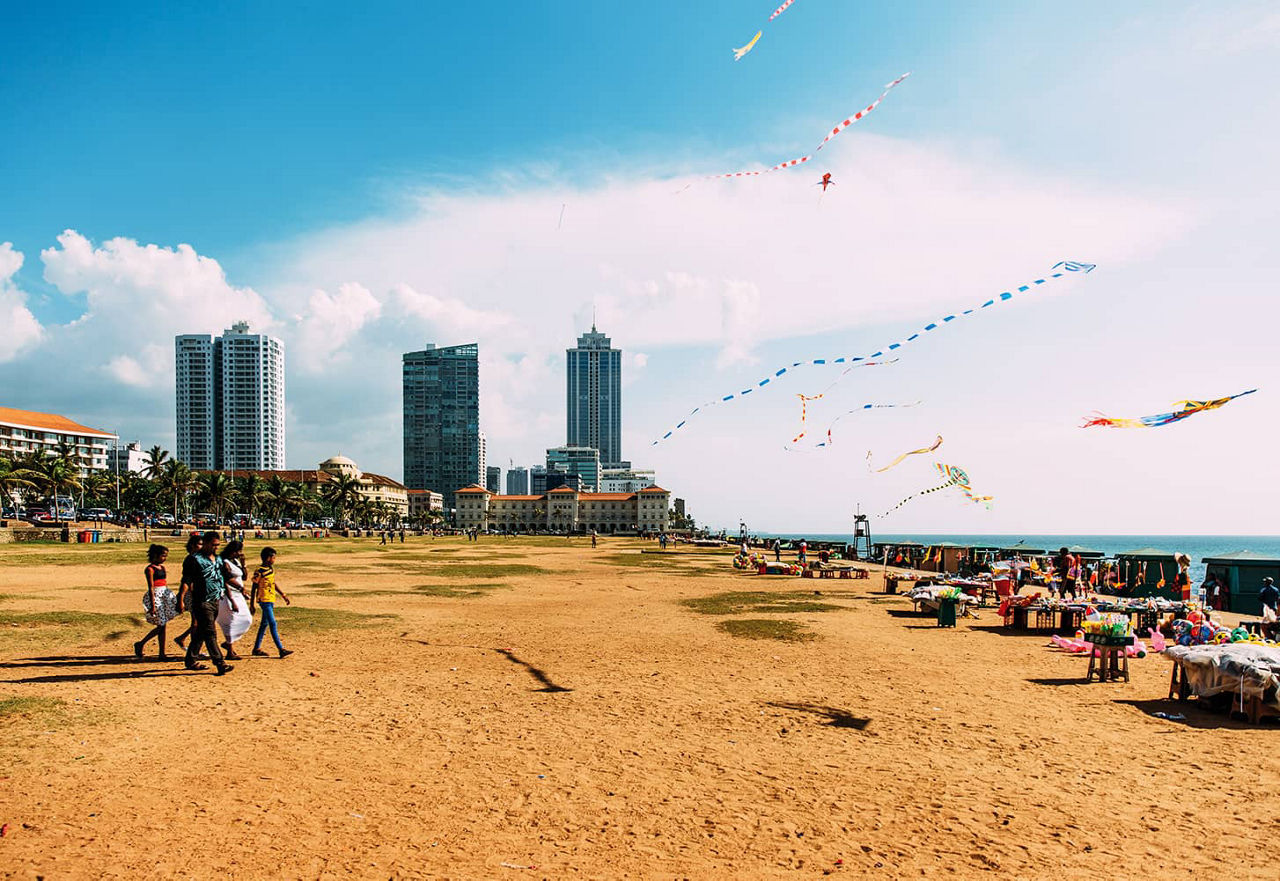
{"type": "Point", "coordinates": [1197, 547]}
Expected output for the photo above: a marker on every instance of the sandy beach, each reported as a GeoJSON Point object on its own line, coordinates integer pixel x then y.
{"type": "Point", "coordinates": [535, 708]}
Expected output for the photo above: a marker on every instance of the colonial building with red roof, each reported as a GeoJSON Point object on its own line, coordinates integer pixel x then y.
{"type": "Point", "coordinates": [564, 509]}
{"type": "Point", "coordinates": [26, 431]}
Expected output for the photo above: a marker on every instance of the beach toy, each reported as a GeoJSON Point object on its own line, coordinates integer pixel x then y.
{"type": "Point", "coordinates": [1195, 617]}
{"type": "Point", "coordinates": [1157, 641]}
{"type": "Point", "coordinates": [1240, 635]}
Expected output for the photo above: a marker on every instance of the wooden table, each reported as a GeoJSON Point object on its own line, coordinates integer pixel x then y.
{"type": "Point", "coordinates": [1108, 660]}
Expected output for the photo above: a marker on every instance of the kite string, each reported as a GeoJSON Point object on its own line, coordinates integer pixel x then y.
{"type": "Point", "coordinates": [1067, 266]}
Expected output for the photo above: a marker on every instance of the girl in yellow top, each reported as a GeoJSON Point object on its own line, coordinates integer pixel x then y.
{"type": "Point", "coordinates": [264, 593]}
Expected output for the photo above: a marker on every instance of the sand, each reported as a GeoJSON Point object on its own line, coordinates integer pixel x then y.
{"type": "Point", "coordinates": [582, 722]}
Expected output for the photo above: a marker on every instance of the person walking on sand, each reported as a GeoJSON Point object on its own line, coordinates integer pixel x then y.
{"type": "Point", "coordinates": [264, 593]}
{"type": "Point", "coordinates": [184, 593]}
{"type": "Point", "coordinates": [234, 616]}
{"type": "Point", "coordinates": [777, 550]}
{"type": "Point", "coordinates": [160, 603]}
{"type": "Point", "coordinates": [204, 573]}
{"type": "Point", "coordinates": [593, 538]}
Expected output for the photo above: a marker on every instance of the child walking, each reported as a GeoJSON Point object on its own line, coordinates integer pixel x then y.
{"type": "Point", "coordinates": [159, 601]}
{"type": "Point", "coordinates": [264, 593]}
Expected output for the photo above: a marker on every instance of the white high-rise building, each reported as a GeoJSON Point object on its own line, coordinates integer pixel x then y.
{"type": "Point", "coordinates": [230, 398]}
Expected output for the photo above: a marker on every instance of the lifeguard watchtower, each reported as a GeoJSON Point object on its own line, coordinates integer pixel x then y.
{"type": "Point", "coordinates": [861, 537]}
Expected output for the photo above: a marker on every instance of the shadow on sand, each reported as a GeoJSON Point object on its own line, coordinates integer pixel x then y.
{"type": "Point", "coordinates": [547, 684]}
{"type": "Point", "coordinates": [836, 717]}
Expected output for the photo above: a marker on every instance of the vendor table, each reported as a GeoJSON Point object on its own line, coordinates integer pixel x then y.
{"type": "Point", "coordinates": [1112, 661]}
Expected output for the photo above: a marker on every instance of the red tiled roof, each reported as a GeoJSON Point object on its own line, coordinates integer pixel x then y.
{"type": "Point", "coordinates": [420, 492]}
{"type": "Point", "coordinates": [562, 489]}
{"type": "Point", "coordinates": [311, 475]}
{"type": "Point", "coordinates": [653, 489]}
{"type": "Point", "coordinates": [46, 422]}
{"type": "Point", "coordinates": [607, 497]}
{"type": "Point", "coordinates": [519, 498]}
{"type": "Point", "coordinates": [473, 488]}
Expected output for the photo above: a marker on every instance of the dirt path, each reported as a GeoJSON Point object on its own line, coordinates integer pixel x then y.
{"type": "Point", "coordinates": [581, 720]}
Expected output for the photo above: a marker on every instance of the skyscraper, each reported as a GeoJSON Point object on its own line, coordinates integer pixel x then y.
{"type": "Point", "coordinates": [193, 376]}
{"type": "Point", "coordinates": [230, 400]}
{"type": "Point", "coordinates": [442, 419]}
{"type": "Point", "coordinates": [517, 481]}
{"type": "Point", "coordinates": [493, 479]}
{"type": "Point", "coordinates": [582, 461]}
{"type": "Point", "coordinates": [594, 396]}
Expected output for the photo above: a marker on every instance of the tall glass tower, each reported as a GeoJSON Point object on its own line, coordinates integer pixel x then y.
{"type": "Point", "coordinates": [442, 419]}
{"type": "Point", "coordinates": [594, 396]}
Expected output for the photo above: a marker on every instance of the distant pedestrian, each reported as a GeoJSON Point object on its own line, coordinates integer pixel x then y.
{"type": "Point", "coordinates": [1269, 597]}
{"type": "Point", "coordinates": [382, 535]}
{"type": "Point", "coordinates": [401, 535]}
{"type": "Point", "coordinates": [202, 571]}
{"type": "Point", "coordinates": [593, 538]}
{"type": "Point", "coordinates": [265, 591]}
{"type": "Point", "coordinates": [777, 550]}
{"type": "Point", "coordinates": [803, 556]}
{"type": "Point", "coordinates": [160, 603]}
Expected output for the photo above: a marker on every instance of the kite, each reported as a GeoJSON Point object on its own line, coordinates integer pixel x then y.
{"type": "Point", "coordinates": [858, 360]}
{"type": "Point", "coordinates": [1189, 408]}
{"type": "Point", "coordinates": [825, 182]}
{"type": "Point", "coordinates": [738, 53]}
{"type": "Point", "coordinates": [896, 461]}
{"type": "Point", "coordinates": [955, 477]}
{"type": "Point", "coordinates": [836, 129]}
{"type": "Point", "coordinates": [781, 9]}
{"type": "Point", "coordinates": [805, 399]}
{"type": "Point", "coordinates": [828, 442]}
{"type": "Point", "coordinates": [959, 477]}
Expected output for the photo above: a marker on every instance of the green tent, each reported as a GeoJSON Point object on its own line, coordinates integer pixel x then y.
{"type": "Point", "coordinates": [1150, 566]}
{"type": "Point", "coordinates": [1242, 573]}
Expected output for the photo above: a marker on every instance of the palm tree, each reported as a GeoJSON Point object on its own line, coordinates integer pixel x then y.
{"type": "Point", "coordinates": [14, 477]}
{"type": "Point", "coordinates": [217, 490]}
{"type": "Point", "coordinates": [252, 490]}
{"type": "Point", "coordinates": [342, 491]}
{"type": "Point", "coordinates": [98, 485]}
{"type": "Point", "coordinates": [157, 458]}
{"type": "Point", "coordinates": [55, 476]}
{"type": "Point", "coordinates": [176, 480]}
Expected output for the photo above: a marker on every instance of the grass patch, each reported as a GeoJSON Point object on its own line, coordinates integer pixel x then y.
{"type": "Point", "coordinates": [767, 628]}
{"type": "Point", "coordinates": [31, 707]}
{"type": "Point", "coordinates": [357, 592]}
{"type": "Point", "coordinates": [296, 619]}
{"type": "Point", "coordinates": [452, 592]}
{"type": "Point", "coordinates": [736, 602]}
{"type": "Point", "coordinates": [23, 630]}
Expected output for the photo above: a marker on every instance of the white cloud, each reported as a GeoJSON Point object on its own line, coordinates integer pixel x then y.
{"type": "Point", "coordinates": [139, 297]}
{"type": "Point", "coordinates": [331, 320]}
{"type": "Point", "coordinates": [21, 329]}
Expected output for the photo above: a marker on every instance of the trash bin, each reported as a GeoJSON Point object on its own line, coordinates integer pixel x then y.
{"type": "Point", "coordinates": [82, 537]}
{"type": "Point", "coordinates": [97, 536]}
{"type": "Point", "coordinates": [946, 613]}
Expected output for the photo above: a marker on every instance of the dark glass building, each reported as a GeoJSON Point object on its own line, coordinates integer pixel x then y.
{"type": "Point", "coordinates": [442, 419]}
{"type": "Point", "coordinates": [594, 396]}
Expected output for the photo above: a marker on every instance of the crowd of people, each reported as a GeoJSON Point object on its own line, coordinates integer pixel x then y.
{"type": "Point", "coordinates": [219, 594]}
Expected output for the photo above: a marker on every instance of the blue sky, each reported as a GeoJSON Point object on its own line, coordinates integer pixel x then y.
{"type": "Point", "coordinates": [370, 179]}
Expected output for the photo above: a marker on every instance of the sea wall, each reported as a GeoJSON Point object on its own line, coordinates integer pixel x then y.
{"type": "Point", "coordinates": [14, 534]}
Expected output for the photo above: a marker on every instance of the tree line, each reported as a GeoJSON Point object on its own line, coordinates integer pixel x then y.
{"type": "Point", "coordinates": [169, 485]}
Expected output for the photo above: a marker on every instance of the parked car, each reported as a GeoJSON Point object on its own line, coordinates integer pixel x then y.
{"type": "Point", "coordinates": [96, 514]}
{"type": "Point", "coordinates": [165, 520]}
